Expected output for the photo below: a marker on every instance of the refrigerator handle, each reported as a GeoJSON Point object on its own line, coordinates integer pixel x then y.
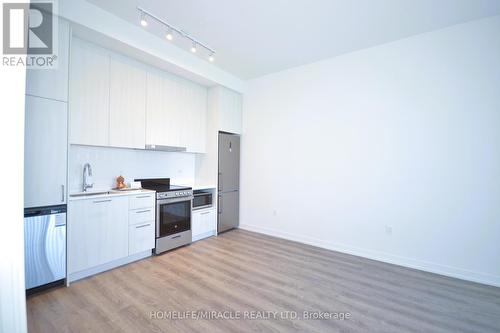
{"type": "Point", "coordinates": [219, 179]}
{"type": "Point", "coordinates": [219, 204]}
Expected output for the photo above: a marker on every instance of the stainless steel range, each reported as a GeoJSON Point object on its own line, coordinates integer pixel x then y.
{"type": "Point", "coordinates": [173, 213]}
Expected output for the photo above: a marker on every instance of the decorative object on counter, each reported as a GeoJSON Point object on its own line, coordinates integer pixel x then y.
{"type": "Point", "coordinates": [120, 183]}
{"type": "Point", "coordinates": [121, 186]}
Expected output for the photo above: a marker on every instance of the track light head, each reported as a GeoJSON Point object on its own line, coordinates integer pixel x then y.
{"type": "Point", "coordinates": [169, 35]}
{"type": "Point", "coordinates": [193, 48]}
{"type": "Point", "coordinates": [211, 58]}
{"type": "Point", "coordinates": [144, 23]}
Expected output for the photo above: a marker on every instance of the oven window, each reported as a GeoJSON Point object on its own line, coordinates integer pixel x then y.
{"type": "Point", "coordinates": [174, 217]}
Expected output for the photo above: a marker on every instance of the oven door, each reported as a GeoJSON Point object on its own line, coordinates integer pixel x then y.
{"type": "Point", "coordinates": [173, 216]}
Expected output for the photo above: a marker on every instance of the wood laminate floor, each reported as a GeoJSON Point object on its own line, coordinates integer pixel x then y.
{"type": "Point", "coordinates": [245, 273]}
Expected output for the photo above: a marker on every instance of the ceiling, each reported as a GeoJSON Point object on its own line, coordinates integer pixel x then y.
{"type": "Point", "coordinates": [258, 37]}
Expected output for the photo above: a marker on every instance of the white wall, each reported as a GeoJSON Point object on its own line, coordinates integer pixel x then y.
{"type": "Point", "coordinates": [403, 136]}
{"type": "Point", "coordinates": [108, 163]}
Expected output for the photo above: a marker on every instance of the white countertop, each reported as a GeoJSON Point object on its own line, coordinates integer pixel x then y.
{"type": "Point", "coordinates": [107, 194]}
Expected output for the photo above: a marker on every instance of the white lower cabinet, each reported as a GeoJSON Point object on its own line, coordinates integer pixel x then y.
{"type": "Point", "coordinates": [141, 237]}
{"type": "Point", "coordinates": [203, 223]}
{"type": "Point", "coordinates": [141, 217]}
{"type": "Point", "coordinates": [107, 232]}
{"type": "Point", "coordinates": [97, 232]}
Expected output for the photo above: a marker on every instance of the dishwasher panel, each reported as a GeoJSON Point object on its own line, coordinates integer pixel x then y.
{"type": "Point", "coordinates": [44, 245]}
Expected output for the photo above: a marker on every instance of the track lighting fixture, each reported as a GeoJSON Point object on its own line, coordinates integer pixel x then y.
{"type": "Point", "coordinates": [171, 29]}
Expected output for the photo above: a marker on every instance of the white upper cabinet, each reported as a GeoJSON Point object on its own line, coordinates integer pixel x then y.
{"type": "Point", "coordinates": [116, 101]}
{"type": "Point", "coordinates": [89, 94]}
{"type": "Point", "coordinates": [154, 103]}
{"type": "Point", "coordinates": [195, 118]}
{"type": "Point", "coordinates": [171, 113]}
{"type": "Point", "coordinates": [45, 152]}
{"type": "Point", "coordinates": [52, 83]}
{"type": "Point", "coordinates": [127, 105]}
{"type": "Point", "coordinates": [175, 112]}
{"type": "Point", "coordinates": [229, 105]}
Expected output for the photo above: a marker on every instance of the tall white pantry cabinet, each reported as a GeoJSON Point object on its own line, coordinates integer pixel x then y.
{"type": "Point", "coordinates": [46, 117]}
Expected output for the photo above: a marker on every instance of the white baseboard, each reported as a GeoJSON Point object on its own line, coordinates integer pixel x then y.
{"type": "Point", "coordinates": [107, 266]}
{"type": "Point", "coordinates": [450, 271]}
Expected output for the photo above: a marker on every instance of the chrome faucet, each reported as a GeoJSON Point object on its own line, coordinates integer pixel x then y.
{"type": "Point", "coordinates": [87, 172]}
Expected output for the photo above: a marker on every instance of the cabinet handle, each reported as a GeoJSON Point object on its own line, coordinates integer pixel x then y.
{"type": "Point", "coordinates": [99, 201]}
{"type": "Point", "coordinates": [176, 237]}
{"type": "Point", "coordinates": [143, 226]}
{"type": "Point", "coordinates": [205, 213]}
{"type": "Point", "coordinates": [143, 211]}
{"type": "Point", "coordinates": [62, 193]}
{"type": "Point", "coordinates": [143, 196]}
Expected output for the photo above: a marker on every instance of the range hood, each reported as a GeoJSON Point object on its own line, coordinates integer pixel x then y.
{"type": "Point", "coordinates": [165, 148]}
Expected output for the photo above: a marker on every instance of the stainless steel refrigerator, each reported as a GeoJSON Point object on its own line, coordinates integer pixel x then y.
{"type": "Point", "coordinates": [228, 182]}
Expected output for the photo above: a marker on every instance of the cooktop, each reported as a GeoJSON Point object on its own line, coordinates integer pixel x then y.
{"type": "Point", "coordinates": [160, 185]}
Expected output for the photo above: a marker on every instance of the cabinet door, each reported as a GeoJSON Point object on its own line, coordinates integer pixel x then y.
{"type": "Point", "coordinates": [97, 232]}
{"type": "Point", "coordinates": [127, 106]}
{"type": "Point", "coordinates": [52, 83]}
{"type": "Point", "coordinates": [162, 111]}
{"type": "Point", "coordinates": [197, 223]}
{"type": "Point", "coordinates": [195, 116]}
{"type": "Point", "coordinates": [210, 221]}
{"type": "Point", "coordinates": [45, 152]}
{"type": "Point", "coordinates": [116, 231]}
{"type": "Point", "coordinates": [175, 112]}
{"type": "Point", "coordinates": [230, 106]}
{"type": "Point", "coordinates": [203, 222]}
{"type": "Point", "coordinates": [85, 222]}
{"type": "Point", "coordinates": [141, 237]}
{"type": "Point", "coordinates": [154, 109]}
{"type": "Point", "coordinates": [89, 94]}
{"type": "Point", "coordinates": [172, 111]}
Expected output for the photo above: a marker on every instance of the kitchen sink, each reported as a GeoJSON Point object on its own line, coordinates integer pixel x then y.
{"type": "Point", "coordinates": [103, 192]}
{"type": "Point", "coordinates": [86, 194]}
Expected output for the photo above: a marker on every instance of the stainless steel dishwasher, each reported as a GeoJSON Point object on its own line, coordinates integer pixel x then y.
{"type": "Point", "coordinates": [44, 247]}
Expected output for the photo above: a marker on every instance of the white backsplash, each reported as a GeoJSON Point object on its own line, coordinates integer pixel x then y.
{"type": "Point", "coordinates": [109, 163]}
